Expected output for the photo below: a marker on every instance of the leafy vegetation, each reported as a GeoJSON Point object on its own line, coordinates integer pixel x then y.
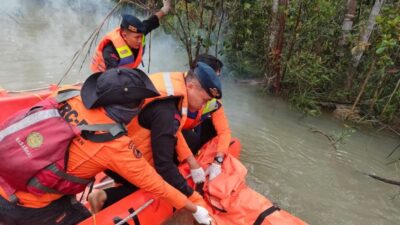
{"type": "Point", "coordinates": [314, 52]}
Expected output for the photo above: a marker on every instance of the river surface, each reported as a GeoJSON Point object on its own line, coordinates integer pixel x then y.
{"type": "Point", "coordinates": [288, 156]}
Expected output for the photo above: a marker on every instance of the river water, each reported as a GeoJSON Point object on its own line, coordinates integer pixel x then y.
{"type": "Point", "coordinates": [288, 156]}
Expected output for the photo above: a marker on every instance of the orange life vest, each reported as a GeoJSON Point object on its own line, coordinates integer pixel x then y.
{"type": "Point", "coordinates": [75, 113]}
{"type": "Point", "coordinates": [169, 85]}
{"type": "Point", "coordinates": [127, 59]}
{"type": "Point", "coordinates": [196, 118]}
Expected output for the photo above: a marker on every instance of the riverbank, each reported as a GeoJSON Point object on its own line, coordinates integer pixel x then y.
{"type": "Point", "coordinates": [346, 112]}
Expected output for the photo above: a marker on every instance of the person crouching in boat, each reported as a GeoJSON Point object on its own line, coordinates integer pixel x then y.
{"type": "Point", "coordinates": [203, 125]}
{"type": "Point", "coordinates": [110, 97]}
{"type": "Point", "coordinates": [156, 131]}
{"type": "Point", "coordinates": [124, 46]}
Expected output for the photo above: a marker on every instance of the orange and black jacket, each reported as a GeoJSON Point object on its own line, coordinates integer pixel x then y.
{"type": "Point", "coordinates": [156, 131]}
{"type": "Point", "coordinates": [110, 56]}
{"type": "Point", "coordinates": [87, 158]}
{"type": "Point", "coordinates": [215, 111]}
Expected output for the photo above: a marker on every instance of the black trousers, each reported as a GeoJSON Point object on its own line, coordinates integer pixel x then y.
{"type": "Point", "coordinates": [64, 211]}
{"type": "Point", "coordinates": [200, 135]}
{"type": "Point", "coordinates": [115, 194]}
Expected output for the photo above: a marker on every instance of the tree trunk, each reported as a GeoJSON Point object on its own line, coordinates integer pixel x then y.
{"type": "Point", "coordinates": [369, 73]}
{"type": "Point", "coordinates": [219, 27]}
{"type": "Point", "coordinates": [274, 24]}
{"type": "Point", "coordinates": [363, 43]}
{"type": "Point", "coordinates": [365, 36]}
{"type": "Point", "coordinates": [347, 25]}
{"type": "Point", "coordinates": [293, 39]}
{"type": "Point", "coordinates": [211, 26]}
{"type": "Point", "coordinates": [277, 45]}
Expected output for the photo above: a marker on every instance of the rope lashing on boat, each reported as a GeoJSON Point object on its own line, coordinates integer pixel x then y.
{"type": "Point", "coordinates": [94, 219]}
{"type": "Point", "coordinates": [141, 208]}
{"type": "Point", "coordinates": [38, 96]}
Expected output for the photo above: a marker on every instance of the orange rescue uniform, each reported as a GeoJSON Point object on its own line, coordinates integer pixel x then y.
{"type": "Point", "coordinates": [169, 85]}
{"type": "Point", "coordinates": [125, 54]}
{"type": "Point", "coordinates": [215, 110]}
{"type": "Point", "coordinates": [87, 158]}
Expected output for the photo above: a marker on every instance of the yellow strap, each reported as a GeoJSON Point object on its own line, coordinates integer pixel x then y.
{"type": "Point", "coordinates": [94, 219]}
{"type": "Point", "coordinates": [210, 106]}
{"type": "Point", "coordinates": [38, 96]}
{"type": "Point", "coordinates": [124, 51]}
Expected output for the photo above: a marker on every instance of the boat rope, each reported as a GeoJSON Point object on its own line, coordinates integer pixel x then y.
{"type": "Point", "coordinates": [94, 219]}
{"type": "Point", "coordinates": [51, 87]}
{"type": "Point", "coordinates": [38, 96]}
{"type": "Point", "coordinates": [141, 208]}
{"type": "Point", "coordinates": [103, 184]}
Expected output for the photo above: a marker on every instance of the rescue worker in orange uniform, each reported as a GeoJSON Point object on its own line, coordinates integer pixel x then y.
{"type": "Point", "coordinates": [109, 97]}
{"type": "Point", "coordinates": [157, 129]}
{"type": "Point", "coordinates": [124, 46]}
{"type": "Point", "coordinates": [201, 126]}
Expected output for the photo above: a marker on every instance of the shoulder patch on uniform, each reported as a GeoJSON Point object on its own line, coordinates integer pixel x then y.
{"type": "Point", "coordinates": [136, 152]}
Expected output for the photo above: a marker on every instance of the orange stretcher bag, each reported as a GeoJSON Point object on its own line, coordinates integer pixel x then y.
{"type": "Point", "coordinates": [232, 201]}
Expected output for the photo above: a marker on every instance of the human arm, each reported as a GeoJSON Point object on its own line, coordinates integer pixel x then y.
{"type": "Point", "coordinates": [162, 119]}
{"type": "Point", "coordinates": [110, 56]}
{"type": "Point", "coordinates": [128, 162]}
{"type": "Point", "coordinates": [164, 10]}
{"type": "Point", "coordinates": [221, 125]}
{"type": "Point", "coordinates": [184, 153]}
{"type": "Point", "coordinates": [121, 156]}
{"type": "Point", "coordinates": [153, 22]}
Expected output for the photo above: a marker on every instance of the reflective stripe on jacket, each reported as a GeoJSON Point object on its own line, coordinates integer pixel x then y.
{"type": "Point", "coordinates": [87, 158]}
{"type": "Point", "coordinates": [195, 118]}
{"type": "Point", "coordinates": [127, 59]}
{"type": "Point", "coordinates": [212, 109]}
{"type": "Point", "coordinates": [169, 85]}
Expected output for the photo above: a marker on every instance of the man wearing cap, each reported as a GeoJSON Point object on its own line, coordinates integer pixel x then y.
{"type": "Point", "coordinates": [156, 131]}
{"type": "Point", "coordinates": [203, 125]}
{"type": "Point", "coordinates": [106, 98]}
{"type": "Point", "coordinates": [124, 46]}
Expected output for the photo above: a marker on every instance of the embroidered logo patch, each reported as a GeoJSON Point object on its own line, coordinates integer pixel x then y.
{"type": "Point", "coordinates": [132, 28]}
{"type": "Point", "coordinates": [34, 140]}
{"type": "Point", "coordinates": [137, 153]}
{"type": "Point", "coordinates": [214, 92]}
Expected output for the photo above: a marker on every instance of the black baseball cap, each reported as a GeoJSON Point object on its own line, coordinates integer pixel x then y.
{"type": "Point", "coordinates": [132, 23]}
{"type": "Point", "coordinates": [208, 79]}
{"type": "Point", "coordinates": [116, 86]}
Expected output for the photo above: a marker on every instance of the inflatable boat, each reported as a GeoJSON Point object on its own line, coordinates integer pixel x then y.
{"type": "Point", "coordinates": [141, 208]}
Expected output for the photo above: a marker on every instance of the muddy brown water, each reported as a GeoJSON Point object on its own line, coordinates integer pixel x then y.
{"type": "Point", "coordinates": [287, 160]}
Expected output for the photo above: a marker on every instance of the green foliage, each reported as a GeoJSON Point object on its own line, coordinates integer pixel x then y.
{"type": "Point", "coordinates": [315, 66]}
{"type": "Point", "coordinates": [248, 22]}
{"type": "Point", "coordinates": [308, 78]}
{"type": "Point", "coordinates": [343, 135]}
{"type": "Point", "coordinates": [306, 102]}
{"type": "Point", "coordinates": [196, 25]}
{"type": "Point", "coordinates": [386, 48]}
